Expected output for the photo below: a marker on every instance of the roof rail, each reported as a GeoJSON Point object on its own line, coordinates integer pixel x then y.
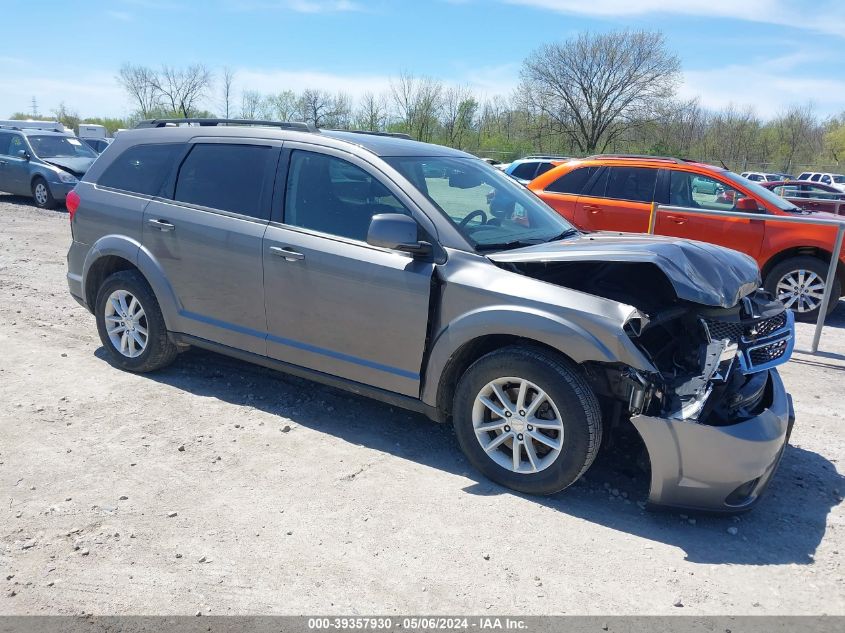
{"type": "Point", "coordinates": [546, 156]}
{"type": "Point", "coordinates": [287, 125]}
{"type": "Point", "coordinates": [641, 156]}
{"type": "Point", "coordinates": [52, 126]}
{"type": "Point", "coordinates": [402, 135]}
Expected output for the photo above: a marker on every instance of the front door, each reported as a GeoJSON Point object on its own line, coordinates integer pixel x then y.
{"type": "Point", "coordinates": [687, 189]}
{"type": "Point", "coordinates": [206, 234]}
{"type": "Point", "coordinates": [335, 304]}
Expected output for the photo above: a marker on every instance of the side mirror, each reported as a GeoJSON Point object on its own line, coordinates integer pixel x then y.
{"type": "Point", "coordinates": [22, 154]}
{"type": "Point", "coordinates": [397, 232]}
{"type": "Point", "coordinates": [747, 204]}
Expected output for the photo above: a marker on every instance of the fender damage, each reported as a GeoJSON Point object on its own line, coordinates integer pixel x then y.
{"type": "Point", "coordinates": [713, 413]}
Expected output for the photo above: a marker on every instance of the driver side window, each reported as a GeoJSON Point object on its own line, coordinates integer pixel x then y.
{"type": "Point", "coordinates": [700, 192]}
{"type": "Point", "coordinates": [331, 195]}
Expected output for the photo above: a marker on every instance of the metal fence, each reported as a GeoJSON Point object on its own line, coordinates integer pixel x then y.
{"type": "Point", "coordinates": [836, 250]}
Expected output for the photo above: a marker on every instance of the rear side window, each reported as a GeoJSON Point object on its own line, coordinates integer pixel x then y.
{"type": "Point", "coordinates": [226, 177]}
{"type": "Point", "coordinates": [631, 183]}
{"type": "Point", "coordinates": [141, 168]}
{"type": "Point", "coordinates": [524, 171]}
{"type": "Point", "coordinates": [543, 168]}
{"type": "Point", "coordinates": [572, 182]}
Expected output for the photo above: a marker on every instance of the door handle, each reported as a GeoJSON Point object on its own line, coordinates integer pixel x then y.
{"type": "Point", "coordinates": [287, 252]}
{"type": "Point", "coordinates": [677, 219]}
{"type": "Point", "coordinates": [3, 162]}
{"type": "Point", "coordinates": [591, 208]}
{"type": "Point", "coordinates": [161, 225]}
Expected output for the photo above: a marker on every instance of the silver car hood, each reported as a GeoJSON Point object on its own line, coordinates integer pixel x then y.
{"type": "Point", "coordinates": [699, 272]}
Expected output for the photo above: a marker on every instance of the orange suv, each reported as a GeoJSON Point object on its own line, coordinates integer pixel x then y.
{"type": "Point", "coordinates": [615, 193]}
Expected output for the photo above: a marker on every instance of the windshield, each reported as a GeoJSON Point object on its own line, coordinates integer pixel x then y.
{"type": "Point", "coordinates": [489, 208]}
{"type": "Point", "coordinates": [761, 192]}
{"type": "Point", "coordinates": [48, 146]}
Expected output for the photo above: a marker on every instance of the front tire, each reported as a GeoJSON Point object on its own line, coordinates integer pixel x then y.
{"type": "Point", "coordinates": [130, 324]}
{"type": "Point", "coordinates": [42, 195]}
{"type": "Point", "coordinates": [799, 284]}
{"type": "Point", "coordinates": [527, 419]}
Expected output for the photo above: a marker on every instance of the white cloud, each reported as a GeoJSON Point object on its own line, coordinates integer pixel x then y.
{"type": "Point", "coordinates": [121, 16]}
{"type": "Point", "coordinates": [768, 86]}
{"type": "Point", "coordinates": [298, 6]}
{"type": "Point", "coordinates": [825, 16]}
{"type": "Point", "coordinates": [95, 93]}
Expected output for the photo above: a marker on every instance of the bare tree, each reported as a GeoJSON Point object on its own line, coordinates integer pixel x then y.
{"type": "Point", "coordinates": [315, 107]}
{"type": "Point", "coordinates": [595, 87]}
{"type": "Point", "coordinates": [372, 112]}
{"type": "Point", "coordinates": [794, 131]}
{"type": "Point", "coordinates": [251, 104]}
{"type": "Point", "coordinates": [141, 84]}
{"type": "Point", "coordinates": [227, 80]}
{"type": "Point", "coordinates": [282, 106]}
{"type": "Point", "coordinates": [458, 113]}
{"type": "Point", "coordinates": [418, 101]}
{"type": "Point", "coordinates": [182, 88]}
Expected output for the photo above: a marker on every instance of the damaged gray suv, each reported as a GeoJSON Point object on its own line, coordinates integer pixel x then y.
{"type": "Point", "coordinates": [423, 277]}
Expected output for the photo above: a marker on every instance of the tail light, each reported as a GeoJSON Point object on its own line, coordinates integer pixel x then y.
{"type": "Point", "coordinates": [72, 204]}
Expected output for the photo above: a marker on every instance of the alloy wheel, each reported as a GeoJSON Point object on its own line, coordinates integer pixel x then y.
{"type": "Point", "coordinates": [126, 323]}
{"type": "Point", "coordinates": [518, 425]}
{"type": "Point", "coordinates": [41, 193]}
{"type": "Point", "coordinates": [801, 290]}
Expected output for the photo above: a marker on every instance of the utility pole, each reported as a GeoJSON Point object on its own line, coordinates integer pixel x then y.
{"type": "Point", "coordinates": [34, 108]}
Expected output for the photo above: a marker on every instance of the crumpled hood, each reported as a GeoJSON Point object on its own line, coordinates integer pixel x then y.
{"type": "Point", "coordinates": [699, 272]}
{"type": "Point", "coordinates": [77, 165]}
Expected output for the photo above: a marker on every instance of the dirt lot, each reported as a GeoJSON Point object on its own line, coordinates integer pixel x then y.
{"type": "Point", "coordinates": [220, 487]}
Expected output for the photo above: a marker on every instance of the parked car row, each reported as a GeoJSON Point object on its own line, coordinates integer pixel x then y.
{"type": "Point", "coordinates": [811, 196]}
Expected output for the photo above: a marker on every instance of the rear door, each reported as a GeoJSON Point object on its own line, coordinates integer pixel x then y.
{"type": "Point", "coordinates": [334, 303]}
{"type": "Point", "coordinates": [618, 199]}
{"type": "Point", "coordinates": [206, 233]}
{"type": "Point", "coordinates": [562, 194]}
{"type": "Point", "coordinates": [695, 191]}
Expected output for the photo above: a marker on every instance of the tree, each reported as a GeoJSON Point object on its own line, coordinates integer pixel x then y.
{"type": "Point", "coordinates": [141, 84]}
{"type": "Point", "coordinates": [596, 87]}
{"type": "Point", "coordinates": [458, 113]}
{"type": "Point", "coordinates": [182, 88]}
{"type": "Point", "coordinates": [68, 118]}
{"type": "Point", "coordinates": [371, 114]}
{"type": "Point", "coordinates": [227, 82]}
{"type": "Point", "coordinates": [251, 104]}
{"type": "Point", "coordinates": [282, 106]}
{"type": "Point", "coordinates": [418, 101]}
{"type": "Point", "coordinates": [794, 135]}
{"type": "Point", "coordinates": [315, 107]}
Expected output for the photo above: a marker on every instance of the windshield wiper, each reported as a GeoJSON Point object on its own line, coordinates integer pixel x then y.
{"type": "Point", "coordinates": [567, 233]}
{"type": "Point", "coordinates": [500, 246]}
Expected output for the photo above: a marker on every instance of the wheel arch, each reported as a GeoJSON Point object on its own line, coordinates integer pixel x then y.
{"type": "Point", "coordinates": [479, 332]}
{"type": "Point", "coordinates": [113, 253]}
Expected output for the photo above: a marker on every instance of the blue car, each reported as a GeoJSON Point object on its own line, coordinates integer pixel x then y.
{"type": "Point", "coordinates": [41, 160]}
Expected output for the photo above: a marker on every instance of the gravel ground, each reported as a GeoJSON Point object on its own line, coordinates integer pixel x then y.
{"type": "Point", "coordinates": [219, 487]}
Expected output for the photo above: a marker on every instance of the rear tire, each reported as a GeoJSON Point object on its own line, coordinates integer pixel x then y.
{"type": "Point", "coordinates": [564, 407]}
{"type": "Point", "coordinates": [42, 195]}
{"type": "Point", "coordinates": [130, 324]}
{"type": "Point", "coordinates": [785, 282]}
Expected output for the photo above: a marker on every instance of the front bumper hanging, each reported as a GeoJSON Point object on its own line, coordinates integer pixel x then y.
{"type": "Point", "coordinates": [717, 468]}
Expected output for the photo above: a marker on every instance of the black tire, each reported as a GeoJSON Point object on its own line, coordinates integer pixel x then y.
{"type": "Point", "coordinates": [808, 263]}
{"type": "Point", "coordinates": [160, 351]}
{"type": "Point", "coordinates": [46, 202]}
{"type": "Point", "coordinates": [564, 383]}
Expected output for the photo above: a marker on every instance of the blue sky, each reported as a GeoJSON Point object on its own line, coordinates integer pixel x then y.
{"type": "Point", "coordinates": [768, 54]}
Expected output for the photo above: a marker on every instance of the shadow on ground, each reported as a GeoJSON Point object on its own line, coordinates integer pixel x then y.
{"type": "Point", "coordinates": [785, 528]}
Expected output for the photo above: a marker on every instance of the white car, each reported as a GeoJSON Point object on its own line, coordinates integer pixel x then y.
{"type": "Point", "coordinates": [759, 176]}
{"type": "Point", "coordinates": [834, 180]}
